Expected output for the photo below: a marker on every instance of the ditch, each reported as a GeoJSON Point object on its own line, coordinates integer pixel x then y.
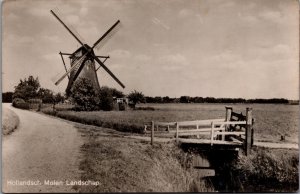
{"type": "Point", "coordinates": [218, 168]}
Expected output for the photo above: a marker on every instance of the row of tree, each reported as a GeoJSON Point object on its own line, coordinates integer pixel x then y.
{"type": "Point", "coordinates": [86, 97]}
{"type": "Point", "coordinates": [30, 89]}
{"type": "Point", "coordinates": [188, 99]}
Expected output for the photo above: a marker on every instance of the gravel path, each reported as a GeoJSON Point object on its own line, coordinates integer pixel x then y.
{"type": "Point", "coordinates": [42, 149]}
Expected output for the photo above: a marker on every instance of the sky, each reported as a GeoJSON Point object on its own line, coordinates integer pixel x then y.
{"type": "Point", "coordinates": [217, 48]}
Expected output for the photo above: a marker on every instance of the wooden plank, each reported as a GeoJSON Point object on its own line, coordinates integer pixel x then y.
{"type": "Point", "coordinates": [235, 140]}
{"type": "Point", "coordinates": [198, 122]}
{"type": "Point", "coordinates": [152, 133]}
{"type": "Point", "coordinates": [193, 133]}
{"type": "Point", "coordinates": [212, 133]}
{"type": "Point", "coordinates": [207, 141]}
{"type": "Point", "coordinates": [248, 130]}
{"type": "Point", "coordinates": [165, 124]}
{"type": "Point", "coordinates": [177, 131]}
{"type": "Point", "coordinates": [199, 130]}
{"type": "Point", "coordinates": [231, 123]}
{"type": "Point", "coordinates": [230, 133]}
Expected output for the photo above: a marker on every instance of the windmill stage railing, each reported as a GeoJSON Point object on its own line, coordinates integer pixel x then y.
{"type": "Point", "coordinates": [236, 130]}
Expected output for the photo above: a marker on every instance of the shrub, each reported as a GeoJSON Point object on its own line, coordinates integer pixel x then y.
{"type": "Point", "coordinates": [17, 101]}
{"type": "Point", "coordinates": [20, 103]}
{"type": "Point", "coordinates": [264, 165]}
{"type": "Point", "coordinates": [35, 101]}
{"type": "Point", "coordinates": [85, 96]}
{"type": "Point", "coordinates": [106, 99]}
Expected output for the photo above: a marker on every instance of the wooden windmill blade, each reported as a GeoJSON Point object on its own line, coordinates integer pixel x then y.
{"type": "Point", "coordinates": [69, 30]}
{"type": "Point", "coordinates": [109, 72]}
{"type": "Point", "coordinates": [80, 60]}
{"type": "Point", "coordinates": [89, 50]}
{"type": "Point", "coordinates": [105, 34]}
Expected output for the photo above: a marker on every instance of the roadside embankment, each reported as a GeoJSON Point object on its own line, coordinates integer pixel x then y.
{"type": "Point", "coordinates": [123, 164]}
{"type": "Point", "coordinates": [10, 121]}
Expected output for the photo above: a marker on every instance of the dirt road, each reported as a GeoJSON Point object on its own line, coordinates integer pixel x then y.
{"type": "Point", "coordinates": [41, 149]}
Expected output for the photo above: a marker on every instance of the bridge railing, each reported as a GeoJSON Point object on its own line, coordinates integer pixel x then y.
{"type": "Point", "coordinates": [235, 128]}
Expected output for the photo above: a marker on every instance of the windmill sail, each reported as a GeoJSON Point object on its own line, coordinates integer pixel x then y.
{"type": "Point", "coordinates": [83, 60]}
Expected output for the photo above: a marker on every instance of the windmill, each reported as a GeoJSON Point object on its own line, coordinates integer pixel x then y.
{"type": "Point", "coordinates": [82, 61]}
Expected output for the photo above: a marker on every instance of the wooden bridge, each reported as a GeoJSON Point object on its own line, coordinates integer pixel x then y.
{"type": "Point", "coordinates": [233, 132]}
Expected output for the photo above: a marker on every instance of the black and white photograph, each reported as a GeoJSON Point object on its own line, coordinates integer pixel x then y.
{"type": "Point", "coordinates": [106, 96]}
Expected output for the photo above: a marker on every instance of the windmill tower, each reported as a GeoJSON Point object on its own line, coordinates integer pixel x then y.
{"type": "Point", "coordinates": [82, 61]}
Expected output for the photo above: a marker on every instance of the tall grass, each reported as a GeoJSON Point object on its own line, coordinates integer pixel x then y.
{"type": "Point", "coordinates": [10, 121]}
{"type": "Point", "coordinates": [269, 169]}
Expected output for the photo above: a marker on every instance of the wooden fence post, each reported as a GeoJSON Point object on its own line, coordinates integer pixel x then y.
{"type": "Point", "coordinates": [152, 132]}
{"type": "Point", "coordinates": [177, 131]}
{"type": "Point", "coordinates": [248, 130]}
{"type": "Point", "coordinates": [212, 133]}
{"type": "Point", "coordinates": [227, 118]}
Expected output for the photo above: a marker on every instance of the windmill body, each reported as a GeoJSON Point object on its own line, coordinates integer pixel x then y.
{"type": "Point", "coordinates": [83, 61]}
{"type": "Point", "coordinates": [85, 70]}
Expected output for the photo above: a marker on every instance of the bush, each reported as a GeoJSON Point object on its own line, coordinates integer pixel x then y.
{"type": "Point", "coordinates": [85, 96]}
{"type": "Point", "coordinates": [20, 103]}
{"type": "Point", "coordinates": [106, 99]}
{"type": "Point", "coordinates": [35, 101]}
{"type": "Point", "coordinates": [266, 165]}
{"type": "Point", "coordinates": [17, 100]}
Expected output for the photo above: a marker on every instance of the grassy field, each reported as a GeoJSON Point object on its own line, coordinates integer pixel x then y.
{"type": "Point", "coordinates": [271, 121]}
{"type": "Point", "coordinates": [10, 121]}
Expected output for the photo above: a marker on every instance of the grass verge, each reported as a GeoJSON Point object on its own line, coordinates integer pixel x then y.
{"type": "Point", "coordinates": [128, 165]}
{"type": "Point", "coordinates": [10, 121]}
{"type": "Point", "coordinates": [269, 170]}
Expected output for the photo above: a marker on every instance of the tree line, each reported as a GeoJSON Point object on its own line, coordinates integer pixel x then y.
{"type": "Point", "coordinates": [188, 99]}
{"type": "Point", "coordinates": [29, 89]}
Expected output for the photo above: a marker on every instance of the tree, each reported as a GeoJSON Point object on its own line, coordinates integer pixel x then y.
{"type": "Point", "coordinates": [46, 95]}
{"type": "Point", "coordinates": [27, 88]}
{"type": "Point", "coordinates": [116, 93]}
{"type": "Point", "coordinates": [85, 95]}
{"type": "Point", "coordinates": [136, 97]}
{"type": "Point", "coordinates": [106, 98]}
{"type": "Point", "coordinates": [184, 99]}
{"type": "Point", "coordinates": [7, 96]}
{"type": "Point", "coordinates": [59, 98]}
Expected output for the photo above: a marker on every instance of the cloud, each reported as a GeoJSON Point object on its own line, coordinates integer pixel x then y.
{"type": "Point", "coordinates": [247, 18]}
{"type": "Point", "coordinates": [119, 53]}
{"type": "Point", "coordinates": [83, 11]}
{"type": "Point", "coordinates": [72, 19]}
{"type": "Point", "coordinates": [185, 13]}
{"type": "Point", "coordinates": [18, 39]}
{"type": "Point", "coordinates": [51, 38]}
{"type": "Point", "coordinates": [142, 58]}
{"type": "Point", "coordinates": [160, 23]}
{"type": "Point", "coordinates": [271, 15]}
{"type": "Point", "coordinates": [173, 62]}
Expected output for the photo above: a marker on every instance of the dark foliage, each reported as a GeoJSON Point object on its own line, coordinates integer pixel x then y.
{"type": "Point", "coordinates": [46, 95]}
{"type": "Point", "coordinates": [20, 103]}
{"type": "Point", "coordinates": [106, 98]}
{"type": "Point", "coordinates": [136, 97]}
{"type": "Point", "coordinates": [184, 99]}
{"type": "Point", "coordinates": [188, 99]}
{"type": "Point", "coordinates": [85, 96]}
{"type": "Point", "coordinates": [27, 88]}
{"type": "Point", "coordinates": [7, 96]}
